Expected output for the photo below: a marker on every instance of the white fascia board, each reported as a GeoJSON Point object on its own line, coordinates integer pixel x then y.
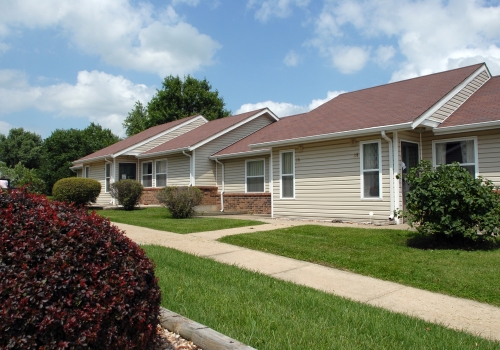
{"type": "Point", "coordinates": [449, 96]}
{"type": "Point", "coordinates": [334, 135]}
{"type": "Point", "coordinates": [161, 153]}
{"type": "Point", "coordinates": [242, 154]}
{"type": "Point", "coordinates": [79, 166]}
{"type": "Point", "coordinates": [159, 135]}
{"type": "Point", "coordinates": [467, 128]}
{"type": "Point", "coordinates": [92, 159]}
{"type": "Point", "coordinates": [225, 131]}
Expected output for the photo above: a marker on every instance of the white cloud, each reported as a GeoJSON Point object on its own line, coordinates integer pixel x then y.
{"type": "Point", "coordinates": [100, 97]}
{"type": "Point", "coordinates": [4, 127]}
{"type": "Point", "coordinates": [139, 37]}
{"type": "Point", "coordinates": [274, 8]}
{"type": "Point", "coordinates": [349, 59]}
{"type": "Point", "coordinates": [285, 109]}
{"type": "Point", "coordinates": [292, 59]}
{"type": "Point", "coordinates": [431, 35]}
{"type": "Point", "coordinates": [193, 3]}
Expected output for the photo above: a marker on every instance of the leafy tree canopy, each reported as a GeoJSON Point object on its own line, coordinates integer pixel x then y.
{"type": "Point", "coordinates": [21, 146]}
{"type": "Point", "coordinates": [176, 100]}
{"type": "Point", "coordinates": [64, 146]}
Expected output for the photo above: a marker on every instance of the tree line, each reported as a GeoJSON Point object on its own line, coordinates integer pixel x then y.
{"type": "Point", "coordinates": [25, 158]}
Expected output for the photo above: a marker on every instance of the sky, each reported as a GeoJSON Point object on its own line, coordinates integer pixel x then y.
{"type": "Point", "coordinates": [65, 64]}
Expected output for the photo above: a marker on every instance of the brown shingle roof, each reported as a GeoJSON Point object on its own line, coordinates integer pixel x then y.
{"type": "Point", "coordinates": [482, 106]}
{"type": "Point", "coordinates": [202, 133]}
{"type": "Point", "coordinates": [134, 139]}
{"type": "Point", "coordinates": [385, 105]}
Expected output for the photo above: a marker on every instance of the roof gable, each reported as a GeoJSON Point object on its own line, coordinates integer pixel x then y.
{"type": "Point", "coordinates": [207, 132]}
{"type": "Point", "coordinates": [139, 139]}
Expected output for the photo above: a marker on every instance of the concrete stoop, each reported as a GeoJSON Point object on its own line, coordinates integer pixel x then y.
{"type": "Point", "coordinates": [202, 336]}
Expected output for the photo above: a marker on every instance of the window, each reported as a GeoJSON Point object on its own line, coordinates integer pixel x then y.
{"type": "Point", "coordinates": [147, 174]}
{"type": "Point", "coordinates": [255, 175]}
{"type": "Point", "coordinates": [461, 151]}
{"type": "Point", "coordinates": [371, 170]}
{"type": "Point", "coordinates": [287, 168]}
{"type": "Point", "coordinates": [161, 173]}
{"type": "Point", "coordinates": [126, 171]}
{"type": "Point", "coordinates": [108, 176]}
{"type": "Point", "coordinates": [87, 172]}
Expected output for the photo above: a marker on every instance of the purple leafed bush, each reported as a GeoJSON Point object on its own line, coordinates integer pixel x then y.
{"type": "Point", "coordinates": [69, 279]}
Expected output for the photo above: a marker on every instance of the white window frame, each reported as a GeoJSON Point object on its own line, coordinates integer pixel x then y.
{"type": "Point", "coordinates": [87, 172]}
{"type": "Point", "coordinates": [263, 176]}
{"type": "Point", "coordinates": [281, 173]}
{"type": "Point", "coordinates": [156, 173]}
{"type": "Point", "coordinates": [142, 173]}
{"type": "Point", "coordinates": [362, 170]}
{"type": "Point", "coordinates": [476, 157]}
{"type": "Point", "coordinates": [107, 177]}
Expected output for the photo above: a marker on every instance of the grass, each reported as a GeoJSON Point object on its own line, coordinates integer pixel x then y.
{"type": "Point", "coordinates": [160, 219]}
{"type": "Point", "coordinates": [385, 254]}
{"type": "Point", "coordinates": [266, 313]}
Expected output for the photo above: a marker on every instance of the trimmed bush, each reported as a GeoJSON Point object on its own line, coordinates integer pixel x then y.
{"type": "Point", "coordinates": [20, 176]}
{"type": "Point", "coordinates": [448, 203]}
{"type": "Point", "coordinates": [69, 279]}
{"type": "Point", "coordinates": [76, 190]}
{"type": "Point", "coordinates": [180, 200]}
{"type": "Point", "coordinates": [127, 192]}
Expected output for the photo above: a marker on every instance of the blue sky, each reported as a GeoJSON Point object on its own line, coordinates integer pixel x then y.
{"type": "Point", "coordinates": [64, 64]}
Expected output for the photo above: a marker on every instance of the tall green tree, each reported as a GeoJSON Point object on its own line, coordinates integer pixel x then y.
{"type": "Point", "coordinates": [21, 146]}
{"type": "Point", "coordinates": [176, 100]}
{"type": "Point", "coordinates": [64, 146]}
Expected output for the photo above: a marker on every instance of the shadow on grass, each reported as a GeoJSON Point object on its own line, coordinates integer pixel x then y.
{"type": "Point", "coordinates": [419, 241]}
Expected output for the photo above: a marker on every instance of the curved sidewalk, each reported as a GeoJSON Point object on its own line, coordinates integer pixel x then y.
{"type": "Point", "coordinates": [457, 313]}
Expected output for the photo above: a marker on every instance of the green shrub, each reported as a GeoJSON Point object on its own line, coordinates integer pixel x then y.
{"type": "Point", "coordinates": [180, 200]}
{"type": "Point", "coordinates": [127, 192]}
{"type": "Point", "coordinates": [448, 203]}
{"type": "Point", "coordinates": [76, 190]}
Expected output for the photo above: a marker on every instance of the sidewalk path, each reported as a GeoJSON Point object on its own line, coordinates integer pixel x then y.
{"type": "Point", "coordinates": [457, 313]}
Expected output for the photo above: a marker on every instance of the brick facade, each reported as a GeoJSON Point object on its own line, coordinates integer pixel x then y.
{"type": "Point", "coordinates": [254, 203]}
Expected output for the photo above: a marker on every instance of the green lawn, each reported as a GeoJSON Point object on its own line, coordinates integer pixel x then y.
{"type": "Point", "coordinates": [160, 219]}
{"type": "Point", "coordinates": [266, 313]}
{"type": "Point", "coordinates": [384, 254]}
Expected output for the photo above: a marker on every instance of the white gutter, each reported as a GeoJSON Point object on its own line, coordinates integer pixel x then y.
{"type": "Point", "coordinates": [223, 187]}
{"type": "Point", "coordinates": [391, 174]}
{"type": "Point", "coordinates": [323, 137]}
{"type": "Point", "coordinates": [242, 154]}
{"type": "Point", "coordinates": [190, 168]}
{"type": "Point", "coordinates": [467, 127]}
{"type": "Point", "coordinates": [93, 159]}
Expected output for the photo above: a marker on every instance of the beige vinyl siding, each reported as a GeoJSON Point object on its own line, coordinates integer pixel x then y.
{"type": "Point", "coordinates": [205, 168]}
{"type": "Point", "coordinates": [177, 170]}
{"type": "Point", "coordinates": [452, 105]}
{"type": "Point", "coordinates": [328, 183]}
{"type": "Point", "coordinates": [167, 137]}
{"type": "Point", "coordinates": [234, 174]}
{"type": "Point", "coordinates": [79, 173]}
{"type": "Point", "coordinates": [488, 143]}
{"type": "Point", "coordinates": [97, 172]}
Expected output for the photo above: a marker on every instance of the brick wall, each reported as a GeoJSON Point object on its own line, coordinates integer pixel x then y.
{"type": "Point", "coordinates": [255, 203]}
{"type": "Point", "coordinates": [210, 196]}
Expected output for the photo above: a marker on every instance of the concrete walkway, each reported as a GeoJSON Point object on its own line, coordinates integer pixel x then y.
{"type": "Point", "coordinates": [460, 314]}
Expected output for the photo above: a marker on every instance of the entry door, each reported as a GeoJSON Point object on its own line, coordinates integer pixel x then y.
{"type": "Point", "coordinates": [409, 159]}
{"type": "Point", "coordinates": [127, 171]}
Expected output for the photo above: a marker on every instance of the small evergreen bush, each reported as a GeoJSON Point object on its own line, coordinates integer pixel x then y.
{"type": "Point", "coordinates": [180, 200]}
{"type": "Point", "coordinates": [76, 190]}
{"type": "Point", "coordinates": [127, 192]}
{"type": "Point", "coordinates": [448, 203]}
{"type": "Point", "coordinates": [70, 279]}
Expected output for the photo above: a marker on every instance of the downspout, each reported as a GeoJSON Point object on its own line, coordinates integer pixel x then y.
{"type": "Point", "coordinates": [222, 179]}
{"type": "Point", "coordinates": [190, 168]}
{"type": "Point", "coordinates": [114, 176]}
{"type": "Point", "coordinates": [395, 153]}
{"type": "Point", "coordinates": [271, 183]}
{"type": "Point", "coordinates": [107, 161]}
{"type": "Point", "coordinates": [391, 175]}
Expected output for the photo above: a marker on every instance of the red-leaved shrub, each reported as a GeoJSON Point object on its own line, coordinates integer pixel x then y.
{"type": "Point", "coordinates": [69, 279]}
